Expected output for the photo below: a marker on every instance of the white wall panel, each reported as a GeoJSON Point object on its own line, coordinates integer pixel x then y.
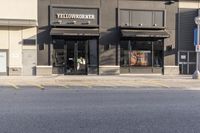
{"type": "Point", "coordinates": [15, 47]}
{"type": "Point", "coordinates": [4, 38]}
{"type": "Point", "coordinates": [189, 4]}
{"type": "Point", "coordinates": [18, 9]}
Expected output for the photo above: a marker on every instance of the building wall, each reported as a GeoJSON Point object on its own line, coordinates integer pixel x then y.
{"type": "Point", "coordinates": [12, 42]}
{"type": "Point", "coordinates": [189, 4]}
{"type": "Point", "coordinates": [18, 9]}
{"type": "Point", "coordinates": [44, 39]}
{"type": "Point", "coordinates": [171, 27]}
{"type": "Point", "coordinates": [187, 13]}
{"type": "Point", "coordinates": [170, 44]}
{"type": "Point", "coordinates": [188, 10]}
{"type": "Point", "coordinates": [109, 34]}
{"type": "Point", "coordinates": [15, 16]}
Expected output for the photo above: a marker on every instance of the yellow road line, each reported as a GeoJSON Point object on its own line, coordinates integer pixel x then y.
{"type": "Point", "coordinates": [156, 83]}
{"type": "Point", "coordinates": [41, 87]}
{"type": "Point", "coordinates": [64, 86]}
{"type": "Point", "coordinates": [13, 85]}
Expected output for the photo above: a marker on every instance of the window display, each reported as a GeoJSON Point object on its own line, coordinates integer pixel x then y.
{"type": "Point", "coordinates": [140, 58]}
{"type": "Point", "coordinates": [136, 54]}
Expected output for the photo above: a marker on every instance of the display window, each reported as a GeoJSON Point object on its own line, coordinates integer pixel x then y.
{"type": "Point", "coordinates": [141, 54]}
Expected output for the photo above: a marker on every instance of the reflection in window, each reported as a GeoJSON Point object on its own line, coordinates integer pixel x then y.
{"type": "Point", "coordinates": [93, 53]}
{"type": "Point", "coordinates": [158, 54]}
{"type": "Point", "coordinates": [124, 53]}
{"type": "Point", "coordinates": [58, 53]}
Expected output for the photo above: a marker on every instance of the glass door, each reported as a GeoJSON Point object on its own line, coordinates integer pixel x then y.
{"type": "Point", "coordinates": [82, 57]}
{"type": "Point", "coordinates": [76, 57]}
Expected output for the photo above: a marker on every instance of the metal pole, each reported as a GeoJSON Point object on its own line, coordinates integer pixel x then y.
{"type": "Point", "coordinates": [197, 69]}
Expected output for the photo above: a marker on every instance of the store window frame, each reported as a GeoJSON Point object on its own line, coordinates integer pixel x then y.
{"type": "Point", "coordinates": [62, 50]}
{"type": "Point", "coordinates": [153, 67]}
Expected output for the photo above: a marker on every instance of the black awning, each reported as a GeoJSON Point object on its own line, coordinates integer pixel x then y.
{"type": "Point", "coordinates": [74, 32]}
{"type": "Point", "coordinates": [145, 33]}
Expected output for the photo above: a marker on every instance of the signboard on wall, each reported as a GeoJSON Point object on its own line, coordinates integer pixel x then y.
{"type": "Point", "coordinates": [68, 16]}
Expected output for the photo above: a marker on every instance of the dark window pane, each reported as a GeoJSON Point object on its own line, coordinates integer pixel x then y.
{"type": "Point", "coordinates": [93, 52]}
{"type": "Point", "coordinates": [158, 54]}
{"type": "Point", "coordinates": [58, 54]}
{"type": "Point", "coordinates": [124, 53]}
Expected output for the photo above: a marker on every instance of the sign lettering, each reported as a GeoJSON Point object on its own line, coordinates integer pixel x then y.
{"type": "Point", "coordinates": [75, 16]}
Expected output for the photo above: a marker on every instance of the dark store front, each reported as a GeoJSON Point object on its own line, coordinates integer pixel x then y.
{"type": "Point", "coordinates": [75, 35]}
{"type": "Point", "coordinates": [142, 40]}
{"type": "Point", "coordinates": [75, 56]}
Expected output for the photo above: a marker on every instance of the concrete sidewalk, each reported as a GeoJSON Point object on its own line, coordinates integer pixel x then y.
{"type": "Point", "coordinates": [135, 81]}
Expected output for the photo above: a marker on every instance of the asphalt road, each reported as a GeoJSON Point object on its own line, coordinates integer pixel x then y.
{"type": "Point", "coordinates": [78, 110]}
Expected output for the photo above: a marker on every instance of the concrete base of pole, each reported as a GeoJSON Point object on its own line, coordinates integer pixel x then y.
{"type": "Point", "coordinates": [196, 75]}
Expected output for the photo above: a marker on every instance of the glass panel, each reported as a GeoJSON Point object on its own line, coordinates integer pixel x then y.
{"type": "Point", "coordinates": [140, 58]}
{"type": "Point", "coordinates": [76, 61]}
{"type": "Point", "coordinates": [192, 68]}
{"type": "Point", "coordinates": [81, 57]}
{"type": "Point", "coordinates": [192, 56]}
{"type": "Point", "coordinates": [70, 61]}
{"type": "Point", "coordinates": [158, 54]}
{"type": "Point", "coordinates": [58, 55]}
{"type": "Point", "coordinates": [92, 57]}
{"type": "Point", "coordinates": [93, 53]}
{"type": "Point", "coordinates": [141, 53]}
{"type": "Point", "coordinates": [124, 53]}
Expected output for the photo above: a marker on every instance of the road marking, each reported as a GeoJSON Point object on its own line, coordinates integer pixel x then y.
{"type": "Point", "coordinates": [13, 85]}
{"type": "Point", "coordinates": [156, 83]}
{"type": "Point", "coordinates": [87, 85]}
{"type": "Point", "coordinates": [64, 86]}
{"type": "Point", "coordinates": [41, 87]}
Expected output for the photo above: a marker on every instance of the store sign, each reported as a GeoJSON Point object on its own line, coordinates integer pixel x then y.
{"type": "Point", "coordinates": [72, 16]}
{"type": "Point", "coordinates": [75, 16]}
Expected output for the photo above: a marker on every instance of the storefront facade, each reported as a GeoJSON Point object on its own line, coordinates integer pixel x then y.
{"type": "Point", "coordinates": [142, 41]}
{"type": "Point", "coordinates": [107, 37]}
{"type": "Point", "coordinates": [188, 10]}
{"type": "Point", "coordinates": [18, 29]}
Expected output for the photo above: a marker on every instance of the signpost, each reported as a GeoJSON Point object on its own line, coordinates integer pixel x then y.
{"type": "Point", "coordinates": [197, 46]}
{"type": "Point", "coordinates": [196, 74]}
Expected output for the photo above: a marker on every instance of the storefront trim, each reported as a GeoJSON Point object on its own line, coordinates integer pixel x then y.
{"type": "Point", "coordinates": [74, 32]}
{"type": "Point", "coordinates": [145, 33]}
{"type": "Point", "coordinates": [18, 22]}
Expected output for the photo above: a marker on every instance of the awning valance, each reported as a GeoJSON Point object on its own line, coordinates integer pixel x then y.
{"type": "Point", "coordinates": [74, 32]}
{"type": "Point", "coordinates": [145, 33]}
